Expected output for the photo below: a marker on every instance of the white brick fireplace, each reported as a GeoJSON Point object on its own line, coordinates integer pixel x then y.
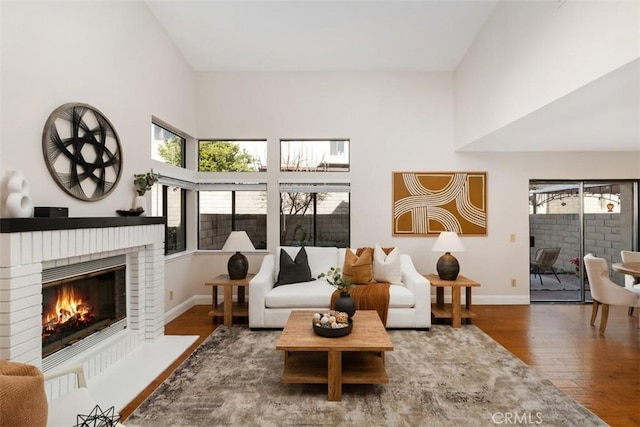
{"type": "Point", "coordinates": [30, 245]}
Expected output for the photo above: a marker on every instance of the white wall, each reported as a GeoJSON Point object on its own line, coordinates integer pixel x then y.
{"type": "Point", "coordinates": [112, 55]}
{"type": "Point", "coordinates": [531, 53]}
{"type": "Point", "coordinates": [396, 122]}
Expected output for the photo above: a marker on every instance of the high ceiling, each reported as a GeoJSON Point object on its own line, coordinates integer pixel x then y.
{"type": "Point", "coordinates": [322, 35]}
{"type": "Point", "coordinates": [394, 35]}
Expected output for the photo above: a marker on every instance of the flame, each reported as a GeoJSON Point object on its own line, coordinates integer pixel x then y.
{"type": "Point", "coordinates": [68, 305]}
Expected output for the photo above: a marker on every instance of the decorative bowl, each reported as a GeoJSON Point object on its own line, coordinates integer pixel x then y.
{"type": "Point", "coordinates": [333, 333]}
{"type": "Point", "coordinates": [130, 212]}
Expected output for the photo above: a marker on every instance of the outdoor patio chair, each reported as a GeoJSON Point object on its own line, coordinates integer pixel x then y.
{"type": "Point", "coordinates": [606, 292]}
{"type": "Point", "coordinates": [544, 260]}
{"type": "Point", "coordinates": [631, 282]}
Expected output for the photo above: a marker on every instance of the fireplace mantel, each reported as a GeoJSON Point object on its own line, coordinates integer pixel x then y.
{"type": "Point", "coordinates": [21, 225]}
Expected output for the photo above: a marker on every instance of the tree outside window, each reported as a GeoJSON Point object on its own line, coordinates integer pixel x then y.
{"type": "Point", "coordinates": [314, 219]}
{"type": "Point", "coordinates": [166, 146]}
{"type": "Point", "coordinates": [232, 156]}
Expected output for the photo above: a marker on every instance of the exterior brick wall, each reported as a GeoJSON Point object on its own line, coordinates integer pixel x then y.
{"type": "Point", "coordinates": [601, 237]}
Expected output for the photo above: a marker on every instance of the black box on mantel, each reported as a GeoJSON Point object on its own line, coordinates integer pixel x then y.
{"type": "Point", "coordinates": [50, 212]}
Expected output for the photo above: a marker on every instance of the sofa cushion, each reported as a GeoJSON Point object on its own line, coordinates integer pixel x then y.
{"type": "Point", "coordinates": [358, 268]}
{"type": "Point", "coordinates": [315, 294]}
{"type": "Point", "coordinates": [321, 259]}
{"type": "Point", "coordinates": [386, 265]}
{"type": "Point", "coordinates": [401, 297]}
{"type": "Point", "coordinates": [293, 271]}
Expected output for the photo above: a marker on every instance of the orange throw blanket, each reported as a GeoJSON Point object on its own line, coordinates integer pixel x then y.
{"type": "Point", "coordinates": [374, 296]}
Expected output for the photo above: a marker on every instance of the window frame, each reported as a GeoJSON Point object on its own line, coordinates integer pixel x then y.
{"type": "Point", "coordinates": [262, 169]}
{"type": "Point", "coordinates": [183, 143]}
{"type": "Point", "coordinates": [233, 187]}
{"type": "Point", "coordinates": [325, 166]}
{"type": "Point", "coordinates": [183, 219]}
{"type": "Point", "coordinates": [313, 187]}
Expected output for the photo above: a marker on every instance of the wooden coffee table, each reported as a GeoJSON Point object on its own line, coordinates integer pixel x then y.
{"type": "Point", "coordinates": [357, 358]}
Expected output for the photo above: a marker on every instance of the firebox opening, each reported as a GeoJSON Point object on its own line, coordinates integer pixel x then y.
{"type": "Point", "coordinates": [75, 307]}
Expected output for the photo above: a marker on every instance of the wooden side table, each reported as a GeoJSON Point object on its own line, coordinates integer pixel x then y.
{"type": "Point", "coordinates": [229, 308]}
{"type": "Point", "coordinates": [452, 311]}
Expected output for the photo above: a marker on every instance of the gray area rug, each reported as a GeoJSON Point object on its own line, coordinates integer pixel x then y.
{"type": "Point", "coordinates": [441, 377]}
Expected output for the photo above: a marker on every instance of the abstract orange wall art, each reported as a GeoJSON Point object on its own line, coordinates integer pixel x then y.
{"type": "Point", "coordinates": [426, 203]}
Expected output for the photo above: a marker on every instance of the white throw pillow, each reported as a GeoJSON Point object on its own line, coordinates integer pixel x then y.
{"type": "Point", "coordinates": [386, 268]}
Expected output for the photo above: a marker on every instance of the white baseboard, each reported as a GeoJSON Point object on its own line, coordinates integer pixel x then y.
{"type": "Point", "coordinates": [492, 299]}
{"type": "Point", "coordinates": [501, 299]}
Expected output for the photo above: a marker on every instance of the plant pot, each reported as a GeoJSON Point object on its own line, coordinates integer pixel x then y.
{"type": "Point", "coordinates": [140, 203]}
{"type": "Point", "coordinates": [345, 304]}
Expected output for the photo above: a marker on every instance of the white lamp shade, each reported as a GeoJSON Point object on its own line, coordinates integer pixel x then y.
{"type": "Point", "coordinates": [238, 241]}
{"type": "Point", "coordinates": [448, 241]}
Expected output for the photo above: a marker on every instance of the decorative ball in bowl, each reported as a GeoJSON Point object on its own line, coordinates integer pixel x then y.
{"type": "Point", "coordinates": [332, 324]}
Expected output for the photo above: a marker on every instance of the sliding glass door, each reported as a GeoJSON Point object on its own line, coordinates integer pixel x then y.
{"type": "Point", "coordinates": [569, 219]}
{"type": "Point", "coordinates": [554, 228]}
{"type": "Point", "coordinates": [609, 222]}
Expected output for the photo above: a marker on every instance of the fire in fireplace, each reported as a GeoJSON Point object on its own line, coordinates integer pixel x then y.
{"type": "Point", "coordinates": [76, 307]}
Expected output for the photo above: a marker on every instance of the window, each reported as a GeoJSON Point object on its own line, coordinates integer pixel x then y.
{"type": "Point", "coordinates": [166, 146]}
{"type": "Point", "coordinates": [170, 202]}
{"type": "Point", "coordinates": [314, 214]}
{"type": "Point", "coordinates": [169, 195]}
{"type": "Point", "coordinates": [231, 207]}
{"type": "Point", "coordinates": [314, 155]}
{"type": "Point", "coordinates": [232, 156]}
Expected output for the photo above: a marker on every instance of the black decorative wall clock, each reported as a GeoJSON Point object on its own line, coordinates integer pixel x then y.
{"type": "Point", "coordinates": [82, 151]}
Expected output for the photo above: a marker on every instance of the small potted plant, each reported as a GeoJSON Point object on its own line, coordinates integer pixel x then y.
{"type": "Point", "coordinates": [143, 182]}
{"type": "Point", "coordinates": [334, 277]}
{"type": "Point", "coordinates": [344, 303]}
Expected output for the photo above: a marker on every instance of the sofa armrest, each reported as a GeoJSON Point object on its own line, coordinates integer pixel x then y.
{"type": "Point", "coordinates": [420, 286]}
{"type": "Point", "coordinates": [259, 287]}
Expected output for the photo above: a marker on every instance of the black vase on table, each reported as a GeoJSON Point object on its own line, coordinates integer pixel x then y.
{"type": "Point", "coordinates": [345, 303]}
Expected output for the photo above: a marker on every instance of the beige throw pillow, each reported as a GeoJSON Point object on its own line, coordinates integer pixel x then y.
{"type": "Point", "coordinates": [386, 265]}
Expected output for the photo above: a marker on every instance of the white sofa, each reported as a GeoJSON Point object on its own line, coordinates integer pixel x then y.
{"type": "Point", "coordinates": [269, 306]}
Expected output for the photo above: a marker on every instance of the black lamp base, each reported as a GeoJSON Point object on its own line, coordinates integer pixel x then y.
{"type": "Point", "coordinates": [238, 266]}
{"type": "Point", "coordinates": [448, 267]}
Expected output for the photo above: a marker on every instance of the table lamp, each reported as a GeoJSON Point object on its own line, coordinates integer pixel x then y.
{"type": "Point", "coordinates": [448, 267]}
{"type": "Point", "coordinates": [238, 264]}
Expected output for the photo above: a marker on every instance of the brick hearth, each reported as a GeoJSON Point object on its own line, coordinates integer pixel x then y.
{"type": "Point", "coordinates": [29, 246]}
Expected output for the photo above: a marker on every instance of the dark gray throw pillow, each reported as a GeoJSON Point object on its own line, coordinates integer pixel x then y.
{"type": "Point", "coordinates": [293, 271]}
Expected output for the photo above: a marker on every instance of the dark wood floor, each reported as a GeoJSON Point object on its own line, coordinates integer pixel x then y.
{"type": "Point", "coordinates": [602, 373]}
